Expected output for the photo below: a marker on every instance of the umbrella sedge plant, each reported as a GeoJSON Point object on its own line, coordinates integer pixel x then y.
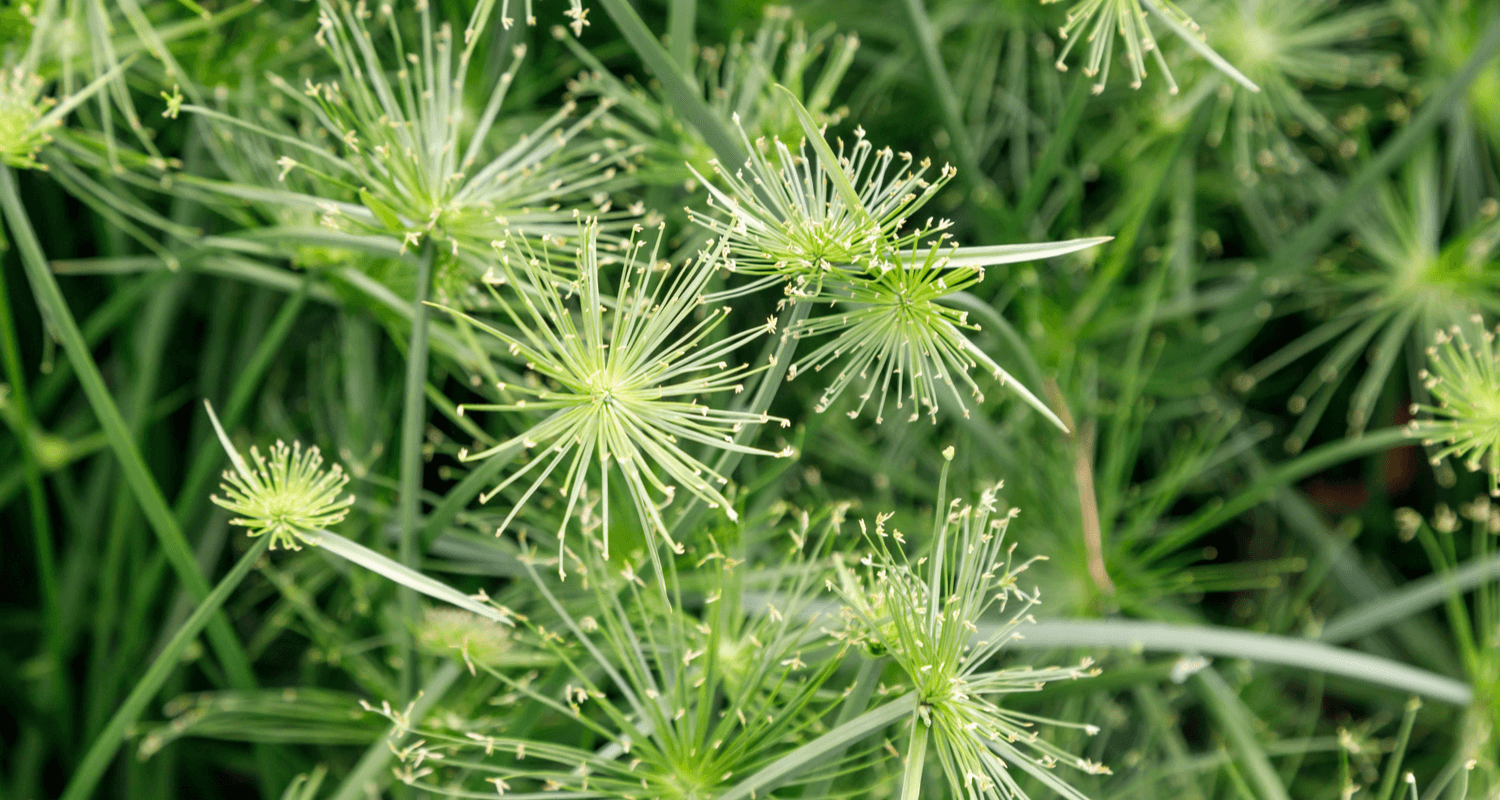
{"type": "Point", "coordinates": [600, 359]}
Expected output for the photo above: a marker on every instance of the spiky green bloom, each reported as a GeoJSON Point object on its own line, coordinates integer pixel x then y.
{"type": "Point", "coordinates": [927, 616]}
{"type": "Point", "coordinates": [1287, 47]}
{"type": "Point", "coordinates": [405, 157]}
{"type": "Point", "coordinates": [1463, 379]}
{"type": "Point", "coordinates": [621, 376]}
{"type": "Point", "coordinates": [287, 496]}
{"type": "Point", "coordinates": [680, 703]}
{"type": "Point", "coordinates": [892, 333]}
{"type": "Point", "coordinates": [23, 118]}
{"type": "Point", "coordinates": [1098, 21]}
{"type": "Point", "coordinates": [1407, 278]}
{"type": "Point", "coordinates": [798, 217]}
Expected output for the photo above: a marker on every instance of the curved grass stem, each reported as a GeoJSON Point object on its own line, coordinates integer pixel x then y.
{"type": "Point", "coordinates": [148, 495]}
{"type": "Point", "coordinates": [413, 420]}
{"type": "Point", "coordinates": [102, 751]}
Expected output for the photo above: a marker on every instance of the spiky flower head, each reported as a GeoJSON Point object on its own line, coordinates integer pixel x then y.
{"type": "Point", "coordinates": [805, 216]}
{"type": "Point", "coordinates": [1463, 379]}
{"type": "Point", "coordinates": [287, 496]}
{"type": "Point", "coordinates": [1409, 276]}
{"type": "Point", "coordinates": [892, 333]}
{"type": "Point", "coordinates": [680, 703]}
{"type": "Point", "coordinates": [24, 121]}
{"type": "Point", "coordinates": [1288, 47]}
{"type": "Point", "coordinates": [406, 159]}
{"type": "Point", "coordinates": [620, 377]}
{"type": "Point", "coordinates": [926, 617]}
{"type": "Point", "coordinates": [1097, 22]}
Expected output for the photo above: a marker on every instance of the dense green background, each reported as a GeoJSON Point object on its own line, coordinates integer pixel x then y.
{"type": "Point", "coordinates": [1358, 191]}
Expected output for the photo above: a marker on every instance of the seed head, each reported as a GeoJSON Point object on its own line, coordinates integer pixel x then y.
{"type": "Point", "coordinates": [1464, 381]}
{"type": "Point", "coordinates": [288, 496]}
{"type": "Point", "coordinates": [23, 126]}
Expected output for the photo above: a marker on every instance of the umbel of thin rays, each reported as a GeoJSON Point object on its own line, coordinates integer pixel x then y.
{"type": "Point", "coordinates": [925, 616]}
{"type": "Point", "coordinates": [620, 377]}
{"type": "Point", "coordinates": [682, 703]}
{"type": "Point", "coordinates": [286, 497]}
{"type": "Point", "coordinates": [893, 336]}
{"type": "Point", "coordinates": [833, 226]}
{"type": "Point", "coordinates": [399, 144]}
{"type": "Point", "coordinates": [1463, 379]}
{"type": "Point", "coordinates": [789, 218]}
{"type": "Point", "coordinates": [1098, 21]}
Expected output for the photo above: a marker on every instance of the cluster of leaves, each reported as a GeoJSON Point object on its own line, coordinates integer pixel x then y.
{"type": "Point", "coordinates": [628, 339]}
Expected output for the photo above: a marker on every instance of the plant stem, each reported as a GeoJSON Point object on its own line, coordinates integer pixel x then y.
{"type": "Point", "coordinates": [371, 770]}
{"type": "Point", "coordinates": [200, 472]}
{"type": "Point", "coordinates": [41, 522]}
{"type": "Point", "coordinates": [681, 19]}
{"type": "Point", "coordinates": [102, 751]}
{"type": "Point", "coordinates": [1265, 648]}
{"type": "Point", "coordinates": [684, 96]}
{"type": "Point", "coordinates": [1237, 721]}
{"type": "Point", "coordinates": [982, 190]}
{"type": "Point", "coordinates": [916, 755]}
{"type": "Point", "coordinates": [854, 704]}
{"type": "Point", "coordinates": [780, 360]}
{"type": "Point", "coordinates": [60, 320]}
{"type": "Point", "coordinates": [816, 750]}
{"type": "Point", "coordinates": [413, 419]}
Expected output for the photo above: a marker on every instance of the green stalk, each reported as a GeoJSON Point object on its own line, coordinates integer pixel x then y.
{"type": "Point", "coordinates": [413, 419]}
{"type": "Point", "coordinates": [102, 751]}
{"type": "Point", "coordinates": [371, 769]}
{"type": "Point", "coordinates": [1393, 764]}
{"type": "Point", "coordinates": [854, 704]}
{"type": "Point", "coordinates": [1139, 211]}
{"type": "Point", "coordinates": [1237, 722]}
{"type": "Point", "coordinates": [1050, 162]}
{"type": "Point", "coordinates": [684, 96]}
{"type": "Point", "coordinates": [771, 380]}
{"type": "Point", "coordinates": [1265, 648]}
{"type": "Point", "coordinates": [55, 311]}
{"type": "Point", "coordinates": [816, 751]}
{"type": "Point", "coordinates": [916, 754]}
{"type": "Point", "coordinates": [1413, 598]}
{"type": "Point", "coordinates": [195, 486]}
{"type": "Point", "coordinates": [41, 521]}
{"type": "Point", "coordinates": [981, 190]}
{"type": "Point", "coordinates": [681, 19]}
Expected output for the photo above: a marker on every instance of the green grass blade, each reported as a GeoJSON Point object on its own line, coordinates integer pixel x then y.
{"type": "Point", "coordinates": [815, 752]}
{"type": "Point", "coordinates": [1236, 720]}
{"type": "Point", "coordinates": [680, 92]}
{"type": "Point", "coordinates": [102, 751]}
{"type": "Point", "coordinates": [831, 165]}
{"type": "Point", "coordinates": [994, 255]}
{"type": "Point", "coordinates": [1230, 643]}
{"type": "Point", "coordinates": [169, 535]}
{"type": "Point", "coordinates": [356, 553]}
